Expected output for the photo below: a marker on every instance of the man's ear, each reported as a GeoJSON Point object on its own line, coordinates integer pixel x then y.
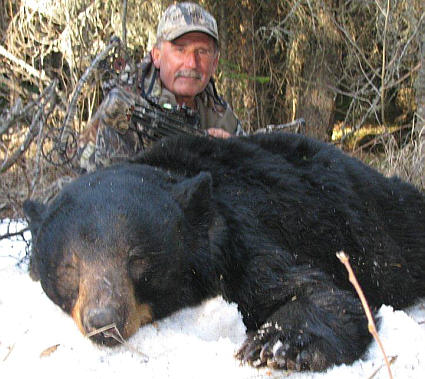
{"type": "Point", "coordinates": [215, 63]}
{"type": "Point", "coordinates": [156, 56]}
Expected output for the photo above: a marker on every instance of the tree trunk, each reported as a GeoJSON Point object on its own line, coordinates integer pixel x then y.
{"type": "Point", "coordinates": [312, 71]}
{"type": "Point", "coordinates": [420, 83]}
{"type": "Point", "coordinates": [224, 43]}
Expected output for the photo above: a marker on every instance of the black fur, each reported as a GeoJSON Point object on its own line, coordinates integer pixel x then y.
{"type": "Point", "coordinates": [258, 220]}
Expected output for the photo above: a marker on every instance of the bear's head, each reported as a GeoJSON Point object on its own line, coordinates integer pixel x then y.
{"type": "Point", "coordinates": [119, 248]}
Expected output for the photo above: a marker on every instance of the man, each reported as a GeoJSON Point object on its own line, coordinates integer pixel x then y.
{"type": "Point", "coordinates": [177, 75]}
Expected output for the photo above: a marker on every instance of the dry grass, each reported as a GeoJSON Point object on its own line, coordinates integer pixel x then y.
{"type": "Point", "coordinates": [49, 41]}
{"type": "Point", "coordinates": [53, 42]}
{"type": "Point", "coordinates": [406, 161]}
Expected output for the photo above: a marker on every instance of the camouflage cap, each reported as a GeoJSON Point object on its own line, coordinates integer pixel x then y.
{"type": "Point", "coordinates": [182, 18]}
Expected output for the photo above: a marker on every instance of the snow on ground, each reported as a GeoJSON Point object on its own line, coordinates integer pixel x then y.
{"type": "Point", "coordinates": [38, 339]}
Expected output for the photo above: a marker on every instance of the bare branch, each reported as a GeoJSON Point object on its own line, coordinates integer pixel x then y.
{"type": "Point", "coordinates": [384, 61]}
{"type": "Point", "coordinates": [31, 70]}
{"type": "Point", "coordinates": [112, 331]}
{"type": "Point", "coordinates": [37, 121]}
{"type": "Point", "coordinates": [371, 324]}
{"type": "Point", "coordinates": [393, 84]}
{"type": "Point", "coordinates": [13, 234]}
{"type": "Point", "coordinates": [18, 114]}
{"type": "Point", "coordinates": [417, 28]}
{"type": "Point", "coordinates": [72, 109]}
{"type": "Point", "coordinates": [124, 24]}
{"type": "Point", "coordinates": [354, 44]}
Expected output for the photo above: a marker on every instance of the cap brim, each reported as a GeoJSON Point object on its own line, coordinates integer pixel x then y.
{"type": "Point", "coordinates": [196, 28]}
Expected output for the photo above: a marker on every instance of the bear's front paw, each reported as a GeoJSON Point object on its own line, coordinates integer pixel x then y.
{"type": "Point", "coordinates": [275, 347]}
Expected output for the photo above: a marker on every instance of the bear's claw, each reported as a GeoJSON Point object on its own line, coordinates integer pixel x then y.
{"type": "Point", "coordinates": [270, 347]}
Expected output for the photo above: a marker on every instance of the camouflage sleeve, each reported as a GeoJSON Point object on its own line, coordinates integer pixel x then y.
{"type": "Point", "coordinates": [114, 145]}
{"type": "Point", "coordinates": [116, 139]}
{"type": "Point", "coordinates": [116, 109]}
{"type": "Point", "coordinates": [230, 122]}
{"type": "Point", "coordinates": [110, 137]}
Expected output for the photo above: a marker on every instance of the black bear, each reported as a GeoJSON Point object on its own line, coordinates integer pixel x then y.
{"type": "Point", "coordinates": [256, 219]}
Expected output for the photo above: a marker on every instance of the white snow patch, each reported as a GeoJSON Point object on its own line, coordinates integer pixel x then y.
{"type": "Point", "coordinates": [194, 343]}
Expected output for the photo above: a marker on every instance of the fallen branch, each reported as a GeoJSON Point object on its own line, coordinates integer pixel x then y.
{"type": "Point", "coordinates": [112, 331]}
{"type": "Point", "coordinates": [37, 121]}
{"type": "Point", "coordinates": [124, 24]}
{"type": "Point", "coordinates": [371, 324]}
{"type": "Point", "coordinates": [12, 85]}
{"type": "Point", "coordinates": [17, 114]}
{"type": "Point", "coordinates": [14, 234]}
{"type": "Point", "coordinates": [72, 109]}
{"type": "Point", "coordinates": [49, 351]}
{"type": "Point", "coordinates": [10, 348]}
{"type": "Point", "coordinates": [31, 70]}
{"type": "Point", "coordinates": [376, 139]}
{"type": "Point", "coordinates": [392, 360]}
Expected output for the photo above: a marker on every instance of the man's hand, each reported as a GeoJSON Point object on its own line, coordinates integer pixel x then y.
{"type": "Point", "coordinates": [116, 109]}
{"type": "Point", "coordinates": [218, 133]}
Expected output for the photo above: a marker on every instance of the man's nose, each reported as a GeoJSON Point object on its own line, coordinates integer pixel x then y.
{"type": "Point", "coordinates": [191, 59]}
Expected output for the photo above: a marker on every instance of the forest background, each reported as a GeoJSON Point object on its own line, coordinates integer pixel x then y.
{"type": "Point", "coordinates": [354, 70]}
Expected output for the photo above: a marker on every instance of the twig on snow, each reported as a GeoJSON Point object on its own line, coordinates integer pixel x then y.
{"type": "Point", "coordinates": [112, 331]}
{"type": "Point", "coordinates": [371, 324]}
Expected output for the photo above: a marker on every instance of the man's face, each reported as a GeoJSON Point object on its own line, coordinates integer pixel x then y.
{"type": "Point", "coordinates": [186, 64]}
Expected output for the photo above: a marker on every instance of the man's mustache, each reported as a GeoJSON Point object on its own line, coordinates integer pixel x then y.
{"type": "Point", "coordinates": [188, 74]}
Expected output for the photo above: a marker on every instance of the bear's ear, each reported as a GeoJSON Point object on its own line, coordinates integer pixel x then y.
{"type": "Point", "coordinates": [194, 196]}
{"type": "Point", "coordinates": [34, 213]}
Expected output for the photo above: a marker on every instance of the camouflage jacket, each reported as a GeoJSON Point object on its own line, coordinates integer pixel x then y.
{"type": "Point", "coordinates": [113, 134]}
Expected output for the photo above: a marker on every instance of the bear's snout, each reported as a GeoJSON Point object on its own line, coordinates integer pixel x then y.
{"type": "Point", "coordinates": [103, 325]}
